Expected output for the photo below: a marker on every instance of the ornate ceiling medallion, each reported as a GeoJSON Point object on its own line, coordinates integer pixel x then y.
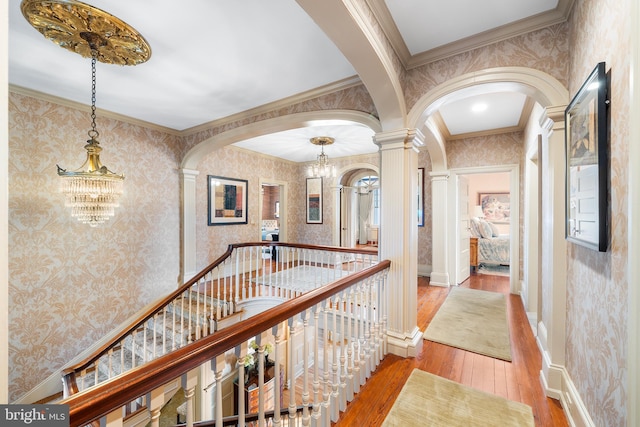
{"type": "Point", "coordinates": [78, 27]}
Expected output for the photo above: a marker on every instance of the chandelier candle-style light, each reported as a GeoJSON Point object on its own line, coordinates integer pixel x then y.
{"type": "Point", "coordinates": [92, 191]}
{"type": "Point", "coordinates": [322, 168]}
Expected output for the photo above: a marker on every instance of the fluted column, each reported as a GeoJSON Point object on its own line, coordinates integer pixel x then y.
{"type": "Point", "coordinates": [398, 238]}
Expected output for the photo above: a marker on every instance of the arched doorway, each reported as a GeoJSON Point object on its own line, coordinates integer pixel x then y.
{"type": "Point", "coordinates": [358, 207]}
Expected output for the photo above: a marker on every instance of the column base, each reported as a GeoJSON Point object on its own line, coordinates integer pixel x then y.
{"type": "Point", "coordinates": [405, 346]}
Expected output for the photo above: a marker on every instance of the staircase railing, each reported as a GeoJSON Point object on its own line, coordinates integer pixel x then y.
{"type": "Point", "coordinates": [342, 326]}
{"type": "Point", "coordinates": [214, 296]}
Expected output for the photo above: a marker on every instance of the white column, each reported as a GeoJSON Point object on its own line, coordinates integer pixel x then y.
{"type": "Point", "coordinates": [398, 238]}
{"type": "Point", "coordinates": [551, 327]}
{"type": "Point", "coordinates": [189, 223]}
{"type": "Point", "coordinates": [439, 239]}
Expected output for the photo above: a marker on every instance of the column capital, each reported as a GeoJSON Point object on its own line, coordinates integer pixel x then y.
{"type": "Point", "coordinates": [439, 175]}
{"type": "Point", "coordinates": [400, 138]}
{"type": "Point", "coordinates": [189, 172]}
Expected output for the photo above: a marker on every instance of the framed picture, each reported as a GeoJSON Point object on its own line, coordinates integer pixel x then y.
{"type": "Point", "coordinates": [420, 197]}
{"type": "Point", "coordinates": [314, 200]}
{"type": "Point", "coordinates": [587, 163]}
{"type": "Point", "coordinates": [496, 207]}
{"type": "Point", "coordinates": [227, 200]}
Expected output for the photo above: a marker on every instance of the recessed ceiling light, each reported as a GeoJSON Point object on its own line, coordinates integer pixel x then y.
{"type": "Point", "coordinates": [479, 107]}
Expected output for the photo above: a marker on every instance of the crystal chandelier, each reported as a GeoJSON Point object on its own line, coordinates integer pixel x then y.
{"type": "Point", "coordinates": [322, 168]}
{"type": "Point", "coordinates": [92, 191]}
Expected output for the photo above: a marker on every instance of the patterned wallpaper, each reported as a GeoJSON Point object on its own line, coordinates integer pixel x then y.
{"type": "Point", "coordinates": [213, 240]}
{"type": "Point", "coordinates": [597, 284]}
{"type": "Point", "coordinates": [544, 50]}
{"type": "Point", "coordinates": [51, 254]}
{"type": "Point", "coordinates": [70, 284]}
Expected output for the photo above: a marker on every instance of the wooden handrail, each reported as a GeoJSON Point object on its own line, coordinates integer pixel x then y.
{"type": "Point", "coordinates": [93, 403]}
{"type": "Point", "coordinates": [69, 372]}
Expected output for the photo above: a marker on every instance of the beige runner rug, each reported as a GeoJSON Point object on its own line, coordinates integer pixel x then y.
{"type": "Point", "coordinates": [429, 400]}
{"type": "Point", "coordinates": [473, 320]}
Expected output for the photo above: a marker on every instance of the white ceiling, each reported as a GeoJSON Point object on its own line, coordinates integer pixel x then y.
{"type": "Point", "coordinates": [214, 59]}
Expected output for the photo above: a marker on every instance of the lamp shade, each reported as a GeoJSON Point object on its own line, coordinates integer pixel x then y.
{"type": "Point", "coordinates": [477, 212]}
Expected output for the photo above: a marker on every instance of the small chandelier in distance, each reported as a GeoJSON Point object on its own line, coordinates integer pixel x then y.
{"type": "Point", "coordinates": [322, 168]}
{"type": "Point", "coordinates": [92, 191]}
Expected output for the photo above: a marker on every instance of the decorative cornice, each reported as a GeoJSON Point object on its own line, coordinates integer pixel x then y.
{"type": "Point", "coordinates": [86, 108]}
{"type": "Point", "coordinates": [523, 26]}
{"type": "Point", "coordinates": [281, 103]}
{"type": "Point", "coordinates": [295, 99]}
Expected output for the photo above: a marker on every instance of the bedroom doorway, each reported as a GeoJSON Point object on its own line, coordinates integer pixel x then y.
{"type": "Point", "coordinates": [493, 200]}
{"type": "Point", "coordinates": [273, 210]}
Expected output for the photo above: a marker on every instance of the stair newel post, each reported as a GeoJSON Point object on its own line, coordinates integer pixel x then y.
{"type": "Point", "coordinates": [155, 401]}
{"type": "Point", "coordinates": [315, 416]}
{"type": "Point", "coordinates": [277, 333]}
{"type": "Point", "coordinates": [305, 373]}
{"type": "Point", "coordinates": [189, 383]}
{"type": "Point", "coordinates": [69, 384]}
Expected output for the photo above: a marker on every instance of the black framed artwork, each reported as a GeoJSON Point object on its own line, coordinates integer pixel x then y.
{"type": "Point", "coordinates": [227, 200]}
{"type": "Point", "coordinates": [587, 163]}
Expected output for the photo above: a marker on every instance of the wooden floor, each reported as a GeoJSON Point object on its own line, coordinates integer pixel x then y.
{"type": "Point", "coordinates": [517, 380]}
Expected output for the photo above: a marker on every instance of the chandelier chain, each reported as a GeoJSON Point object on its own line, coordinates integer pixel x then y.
{"type": "Point", "coordinates": [93, 133]}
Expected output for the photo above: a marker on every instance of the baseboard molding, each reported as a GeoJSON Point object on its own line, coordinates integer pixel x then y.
{"type": "Point", "coordinates": [557, 384]}
{"type": "Point", "coordinates": [424, 270]}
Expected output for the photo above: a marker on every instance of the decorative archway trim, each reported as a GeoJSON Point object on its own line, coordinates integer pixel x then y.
{"type": "Point", "coordinates": [276, 124]}
{"type": "Point", "coordinates": [540, 86]}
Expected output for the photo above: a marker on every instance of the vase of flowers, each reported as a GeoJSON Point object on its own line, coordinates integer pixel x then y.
{"type": "Point", "coordinates": [250, 361]}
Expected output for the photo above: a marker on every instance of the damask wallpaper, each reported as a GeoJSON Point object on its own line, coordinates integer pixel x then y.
{"type": "Point", "coordinates": [597, 284]}
{"type": "Point", "coordinates": [70, 284]}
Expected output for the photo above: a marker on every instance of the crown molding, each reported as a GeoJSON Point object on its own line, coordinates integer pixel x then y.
{"type": "Point", "coordinates": [523, 26]}
{"type": "Point", "coordinates": [86, 108]}
{"type": "Point", "coordinates": [281, 103]}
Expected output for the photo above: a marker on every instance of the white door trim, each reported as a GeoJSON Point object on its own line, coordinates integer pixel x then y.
{"type": "Point", "coordinates": [514, 219]}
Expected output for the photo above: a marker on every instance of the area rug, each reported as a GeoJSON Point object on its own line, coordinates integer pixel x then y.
{"type": "Point", "coordinates": [473, 320]}
{"type": "Point", "coordinates": [302, 278]}
{"type": "Point", "coordinates": [429, 400]}
{"type": "Point", "coordinates": [495, 269]}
